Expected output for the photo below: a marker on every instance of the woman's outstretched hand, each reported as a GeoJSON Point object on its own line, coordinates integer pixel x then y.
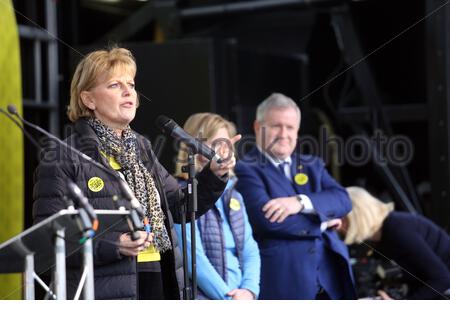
{"type": "Point", "coordinates": [229, 161]}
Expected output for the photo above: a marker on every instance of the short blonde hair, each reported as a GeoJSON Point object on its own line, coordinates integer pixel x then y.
{"type": "Point", "coordinates": [88, 71]}
{"type": "Point", "coordinates": [367, 215]}
{"type": "Point", "coordinates": [201, 125]}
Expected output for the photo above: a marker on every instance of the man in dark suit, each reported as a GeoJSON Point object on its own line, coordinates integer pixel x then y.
{"type": "Point", "coordinates": [293, 205]}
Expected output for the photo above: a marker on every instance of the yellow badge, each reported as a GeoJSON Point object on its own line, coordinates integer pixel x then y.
{"type": "Point", "coordinates": [301, 179]}
{"type": "Point", "coordinates": [149, 254]}
{"type": "Point", "coordinates": [234, 204]}
{"type": "Point", "coordinates": [95, 184]}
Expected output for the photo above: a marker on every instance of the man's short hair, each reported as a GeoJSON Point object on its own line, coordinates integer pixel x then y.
{"type": "Point", "coordinates": [276, 101]}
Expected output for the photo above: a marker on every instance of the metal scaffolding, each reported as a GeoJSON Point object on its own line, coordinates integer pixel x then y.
{"type": "Point", "coordinates": [43, 44]}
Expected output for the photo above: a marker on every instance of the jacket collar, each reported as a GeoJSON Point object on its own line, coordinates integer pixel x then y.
{"type": "Point", "coordinates": [88, 140]}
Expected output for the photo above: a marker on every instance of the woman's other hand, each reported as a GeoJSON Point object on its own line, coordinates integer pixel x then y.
{"type": "Point", "coordinates": [129, 247]}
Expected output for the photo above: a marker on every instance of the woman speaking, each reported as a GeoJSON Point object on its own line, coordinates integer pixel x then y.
{"type": "Point", "coordinates": [103, 103]}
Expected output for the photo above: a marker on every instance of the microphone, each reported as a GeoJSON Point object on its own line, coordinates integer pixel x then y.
{"type": "Point", "coordinates": [170, 127]}
{"type": "Point", "coordinates": [135, 205]}
{"type": "Point", "coordinates": [80, 199]}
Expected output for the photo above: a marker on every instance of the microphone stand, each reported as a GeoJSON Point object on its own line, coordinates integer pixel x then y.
{"type": "Point", "coordinates": [187, 287]}
{"type": "Point", "coordinates": [191, 208]}
{"type": "Point", "coordinates": [87, 276]}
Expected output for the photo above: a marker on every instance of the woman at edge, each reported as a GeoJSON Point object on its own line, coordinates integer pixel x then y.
{"type": "Point", "coordinates": [415, 243]}
{"type": "Point", "coordinates": [103, 103]}
{"type": "Point", "coordinates": [228, 261]}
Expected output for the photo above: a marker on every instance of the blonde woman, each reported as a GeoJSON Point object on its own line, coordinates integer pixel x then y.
{"type": "Point", "coordinates": [103, 103]}
{"type": "Point", "coordinates": [415, 243]}
{"type": "Point", "coordinates": [228, 262]}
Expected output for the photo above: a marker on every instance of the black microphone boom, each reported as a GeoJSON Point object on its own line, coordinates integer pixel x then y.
{"type": "Point", "coordinates": [27, 134]}
{"type": "Point", "coordinates": [123, 185]}
{"type": "Point", "coordinates": [80, 199]}
{"type": "Point", "coordinates": [170, 127]}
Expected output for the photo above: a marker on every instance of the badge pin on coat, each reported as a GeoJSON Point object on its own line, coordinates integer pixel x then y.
{"type": "Point", "coordinates": [95, 184]}
{"type": "Point", "coordinates": [235, 204]}
{"type": "Point", "coordinates": [301, 178]}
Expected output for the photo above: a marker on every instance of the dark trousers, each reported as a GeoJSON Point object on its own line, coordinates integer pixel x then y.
{"type": "Point", "coordinates": [150, 286]}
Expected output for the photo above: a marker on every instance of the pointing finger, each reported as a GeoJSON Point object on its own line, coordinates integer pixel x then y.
{"type": "Point", "coordinates": [236, 138]}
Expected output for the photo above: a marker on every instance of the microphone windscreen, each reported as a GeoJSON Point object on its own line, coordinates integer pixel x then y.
{"type": "Point", "coordinates": [162, 121]}
{"type": "Point", "coordinates": [11, 109]}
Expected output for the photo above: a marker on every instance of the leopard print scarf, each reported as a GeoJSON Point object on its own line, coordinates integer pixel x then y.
{"type": "Point", "coordinates": [124, 151]}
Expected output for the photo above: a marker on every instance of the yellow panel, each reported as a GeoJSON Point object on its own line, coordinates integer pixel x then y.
{"type": "Point", "coordinates": [11, 143]}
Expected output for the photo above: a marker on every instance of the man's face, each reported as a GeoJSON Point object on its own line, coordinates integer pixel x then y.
{"type": "Point", "coordinates": [277, 134]}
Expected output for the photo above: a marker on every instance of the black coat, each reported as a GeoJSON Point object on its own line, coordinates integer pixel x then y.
{"type": "Point", "coordinates": [422, 249]}
{"type": "Point", "coordinates": [115, 275]}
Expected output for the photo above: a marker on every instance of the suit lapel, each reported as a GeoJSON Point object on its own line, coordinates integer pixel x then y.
{"type": "Point", "coordinates": [274, 174]}
{"type": "Point", "coordinates": [300, 176]}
